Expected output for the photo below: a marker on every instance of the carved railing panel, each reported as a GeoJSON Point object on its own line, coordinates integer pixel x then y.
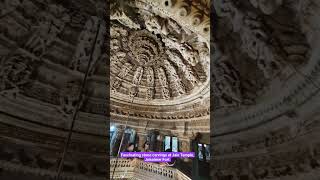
{"type": "Point", "coordinates": [138, 169]}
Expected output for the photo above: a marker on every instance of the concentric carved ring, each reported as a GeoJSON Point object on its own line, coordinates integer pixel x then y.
{"type": "Point", "coordinates": [145, 48]}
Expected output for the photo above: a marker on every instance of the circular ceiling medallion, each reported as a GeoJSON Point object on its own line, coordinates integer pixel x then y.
{"type": "Point", "coordinates": [145, 49]}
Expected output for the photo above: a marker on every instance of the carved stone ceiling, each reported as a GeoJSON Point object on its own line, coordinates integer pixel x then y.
{"type": "Point", "coordinates": [158, 60]}
{"type": "Point", "coordinates": [269, 46]}
{"type": "Point", "coordinates": [266, 89]}
{"type": "Point", "coordinates": [45, 50]}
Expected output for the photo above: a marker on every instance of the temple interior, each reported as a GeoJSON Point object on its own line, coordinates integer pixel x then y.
{"type": "Point", "coordinates": [160, 87]}
{"type": "Point", "coordinates": [236, 82]}
{"type": "Point", "coordinates": [53, 73]}
{"type": "Point", "coordinates": [266, 90]}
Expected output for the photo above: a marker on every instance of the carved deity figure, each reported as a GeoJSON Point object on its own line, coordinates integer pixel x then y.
{"type": "Point", "coordinates": [8, 6]}
{"type": "Point", "coordinates": [90, 44]}
{"type": "Point", "coordinates": [150, 83]}
{"type": "Point", "coordinates": [116, 32]}
{"type": "Point", "coordinates": [70, 98]}
{"type": "Point", "coordinates": [184, 69]}
{"type": "Point", "coordinates": [164, 83]}
{"type": "Point", "coordinates": [187, 52]}
{"type": "Point", "coordinates": [122, 74]}
{"type": "Point", "coordinates": [118, 10]}
{"type": "Point", "coordinates": [153, 24]}
{"type": "Point", "coordinates": [85, 43]}
{"type": "Point", "coordinates": [227, 85]}
{"type": "Point", "coordinates": [115, 85]}
{"type": "Point", "coordinates": [253, 34]}
{"type": "Point", "coordinates": [174, 79]}
{"type": "Point", "coordinates": [136, 81]}
{"type": "Point", "coordinates": [51, 22]}
{"type": "Point", "coordinates": [267, 6]}
{"type": "Point", "coordinates": [133, 92]}
{"type": "Point", "coordinates": [137, 76]}
{"type": "Point", "coordinates": [15, 72]}
{"type": "Point", "coordinates": [257, 48]}
{"type": "Point", "coordinates": [126, 69]}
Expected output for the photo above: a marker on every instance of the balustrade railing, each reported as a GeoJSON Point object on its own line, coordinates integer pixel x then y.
{"type": "Point", "coordinates": [138, 169]}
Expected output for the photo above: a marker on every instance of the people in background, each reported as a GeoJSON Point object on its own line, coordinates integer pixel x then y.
{"type": "Point", "coordinates": [130, 147]}
{"type": "Point", "coordinates": [146, 147]}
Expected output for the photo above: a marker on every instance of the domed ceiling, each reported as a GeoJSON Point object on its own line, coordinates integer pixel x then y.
{"type": "Point", "coordinates": [160, 60]}
{"type": "Point", "coordinates": [265, 78]}
{"type": "Point", "coordinates": [46, 47]}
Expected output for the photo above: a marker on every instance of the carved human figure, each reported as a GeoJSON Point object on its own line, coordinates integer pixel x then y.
{"type": "Point", "coordinates": [82, 51]}
{"type": "Point", "coordinates": [70, 98]}
{"type": "Point", "coordinates": [116, 31]}
{"type": "Point", "coordinates": [118, 13]}
{"type": "Point", "coordinates": [115, 85]}
{"type": "Point", "coordinates": [164, 83]}
{"type": "Point", "coordinates": [51, 23]}
{"type": "Point", "coordinates": [267, 6]}
{"type": "Point", "coordinates": [173, 26]}
{"type": "Point", "coordinates": [127, 67]}
{"type": "Point", "coordinates": [89, 45]}
{"type": "Point", "coordinates": [253, 35]}
{"type": "Point", "coordinates": [174, 79]}
{"type": "Point", "coordinates": [150, 83]}
{"type": "Point", "coordinates": [187, 52]}
{"type": "Point", "coordinates": [137, 76]}
{"type": "Point", "coordinates": [153, 24]}
{"type": "Point", "coordinates": [183, 68]}
{"type": "Point", "coordinates": [15, 72]}
{"type": "Point", "coordinates": [133, 92]}
{"type": "Point", "coordinates": [227, 85]}
{"type": "Point", "coordinates": [8, 6]}
{"type": "Point", "coordinates": [122, 74]}
{"type": "Point", "coordinates": [136, 81]}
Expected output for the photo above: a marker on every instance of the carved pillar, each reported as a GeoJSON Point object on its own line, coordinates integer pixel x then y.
{"type": "Point", "coordinates": [142, 140]}
{"type": "Point", "coordinates": [160, 138]}
{"type": "Point", "coordinates": [185, 146]}
{"type": "Point", "coordinates": [152, 138]}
